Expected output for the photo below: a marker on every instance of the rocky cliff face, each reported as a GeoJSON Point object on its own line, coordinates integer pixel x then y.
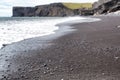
{"type": "Point", "coordinates": [106, 6]}
{"type": "Point", "coordinates": [59, 10]}
{"type": "Point", "coordinates": [55, 9]}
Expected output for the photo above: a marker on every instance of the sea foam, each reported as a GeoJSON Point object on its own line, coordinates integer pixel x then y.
{"type": "Point", "coordinates": [14, 30]}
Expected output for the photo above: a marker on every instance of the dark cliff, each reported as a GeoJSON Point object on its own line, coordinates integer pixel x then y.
{"type": "Point", "coordinates": [55, 9]}
{"type": "Point", "coordinates": [106, 6]}
{"type": "Point", "coordinates": [58, 9]}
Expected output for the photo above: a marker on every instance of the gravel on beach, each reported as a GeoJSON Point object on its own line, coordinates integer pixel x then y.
{"type": "Point", "coordinates": [92, 52]}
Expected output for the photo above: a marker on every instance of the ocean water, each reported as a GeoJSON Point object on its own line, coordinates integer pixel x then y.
{"type": "Point", "coordinates": [14, 29]}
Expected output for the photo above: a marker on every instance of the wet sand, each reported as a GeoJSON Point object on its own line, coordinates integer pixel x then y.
{"type": "Point", "coordinates": [92, 52]}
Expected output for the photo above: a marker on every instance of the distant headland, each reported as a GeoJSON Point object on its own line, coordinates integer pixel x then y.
{"type": "Point", "coordinates": [68, 9]}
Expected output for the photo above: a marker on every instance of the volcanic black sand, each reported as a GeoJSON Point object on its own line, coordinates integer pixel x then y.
{"type": "Point", "coordinates": [92, 52]}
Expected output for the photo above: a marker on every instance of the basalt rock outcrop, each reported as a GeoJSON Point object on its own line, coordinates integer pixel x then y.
{"type": "Point", "coordinates": [51, 10]}
{"type": "Point", "coordinates": [106, 6]}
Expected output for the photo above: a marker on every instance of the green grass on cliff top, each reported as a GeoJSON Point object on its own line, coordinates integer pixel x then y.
{"type": "Point", "coordinates": [78, 5]}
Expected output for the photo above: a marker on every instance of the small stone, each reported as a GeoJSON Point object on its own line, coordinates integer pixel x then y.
{"type": "Point", "coordinates": [62, 79]}
{"type": "Point", "coordinates": [25, 51]}
{"type": "Point", "coordinates": [19, 69]}
{"type": "Point", "coordinates": [6, 56]}
{"type": "Point", "coordinates": [1, 55]}
{"type": "Point", "coordinates": [4, 77]}
{"type": "Point", "coordinates": [49, 61]}
{"type": "Point", "coordinates": [22, 76]}
{"type": "Point", "coordinates": [9, 65]}
{"type": "Point", "coordinates": [6, 60]}
{"type": "Point", "coordinates": [30, 70]}
{"type": "Point", "coordinates": [103, 73]}
{"type": "Point", "coordinates": [51, 73]}
{"type": "Point", "coordinates": [118, 26]}
{"type": "Point", "coordinates": [45, 72]}
{"type": "Point", "coordinates": [45, 65]}
{"type": "Point", "coordinates": [61, 61]}
{"type": "Point", "coordinates": [47, 68]}
{"type": "Point", "coordinates": [8, 70]}
{"type": "Point", "coordinates": [71, 69]}
{"type": "Point", "coordinates": [116, 58]}
{"type": "Point", "coordinates": [4, 45]}
{"type": "Point", "coordinates": [28, 63]}
{"type": "Point", "coordinates": [56, 67]}
{"type": "Point", "coordinates": [26, 78]}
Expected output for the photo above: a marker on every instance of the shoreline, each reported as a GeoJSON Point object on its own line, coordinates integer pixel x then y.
{"type": "Point", "coordinates": [64, 28]}
{"type": "Point", "coordinates": [86, 53]}
{"type": "Point", "coordinates": [28, 34]}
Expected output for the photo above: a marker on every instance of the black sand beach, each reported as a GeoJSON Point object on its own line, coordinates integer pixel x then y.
{"type": "Point", "coordinates": [92, 52]}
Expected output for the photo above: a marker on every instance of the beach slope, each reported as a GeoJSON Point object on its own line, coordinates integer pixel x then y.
{"type": "Point", "coordinates": [92, 52]}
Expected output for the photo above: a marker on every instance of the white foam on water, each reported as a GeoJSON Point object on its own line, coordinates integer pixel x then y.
{"type": "Point", "coordinates": [17, 30]}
